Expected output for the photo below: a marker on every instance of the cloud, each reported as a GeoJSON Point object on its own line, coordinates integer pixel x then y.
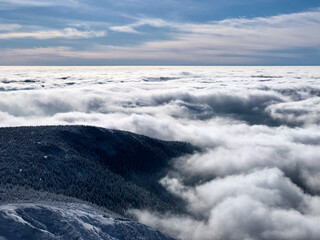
{"type": "Point", "coordinates": [131, 28]}
{"type": "Point", "coordinates": [69, 33]}
{"type": "Point", "coordinates": [235, 36]}
{"type": "Point", "coordinates": [9, 27]}
{"type": "Point", "coordinates": [8, 4]}
{"type": "Point", "coordinates": [126, 29]}
{"type": "Point", "coordinates": [260, 205]}
{"type": "Point", "coordinates": [304, 111]}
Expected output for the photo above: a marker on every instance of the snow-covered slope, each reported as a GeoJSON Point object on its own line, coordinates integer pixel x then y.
{"type": "Point", "coordinates": [57, 220]}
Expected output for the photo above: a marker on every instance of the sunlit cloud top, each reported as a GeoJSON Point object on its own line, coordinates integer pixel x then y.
{"type": "Point", "coordinates": [141, 32]}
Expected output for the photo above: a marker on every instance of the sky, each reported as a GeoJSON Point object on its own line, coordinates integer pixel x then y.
{"type": "Point", "coordinates": [167, 32]}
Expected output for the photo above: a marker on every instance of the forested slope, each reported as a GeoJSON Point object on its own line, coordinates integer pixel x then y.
{"type": "Point", "coordinates": [110, 168]}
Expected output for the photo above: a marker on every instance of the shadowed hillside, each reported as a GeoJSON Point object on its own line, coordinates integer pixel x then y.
{"type": "Point", "coordinates": [114, 169]}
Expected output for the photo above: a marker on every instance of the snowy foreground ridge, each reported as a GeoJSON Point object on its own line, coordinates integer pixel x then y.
{"type": "Point", "coordinates": [58, 220]}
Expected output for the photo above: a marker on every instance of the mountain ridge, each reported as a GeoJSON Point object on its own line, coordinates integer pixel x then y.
{"type": "Point", "coordinates": [112, 169]}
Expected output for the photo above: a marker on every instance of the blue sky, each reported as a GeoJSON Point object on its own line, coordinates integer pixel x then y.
{"type": "Point", "coordinates": [167, 32]}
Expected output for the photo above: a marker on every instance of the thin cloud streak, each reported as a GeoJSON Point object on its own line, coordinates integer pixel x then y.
{"type": "Point", "coordinates": [37, 3]}
{"type": "Point", "coordinates": [9, 27]}
{"type": "Point", "coordinates": [131, 28]}
{"type": "Point", "coordinates": [69, 33]}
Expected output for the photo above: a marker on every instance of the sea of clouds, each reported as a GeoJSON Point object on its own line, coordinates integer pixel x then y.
{"type": "Point", "coordinates": [258, 174]}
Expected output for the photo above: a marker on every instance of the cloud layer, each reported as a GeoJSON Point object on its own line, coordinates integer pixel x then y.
{"type": "Point", "coordinates": [257, 176]}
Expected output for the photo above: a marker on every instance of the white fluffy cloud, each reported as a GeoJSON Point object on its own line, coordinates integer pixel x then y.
{"type": "Point", "coordinates": [263, 204]}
